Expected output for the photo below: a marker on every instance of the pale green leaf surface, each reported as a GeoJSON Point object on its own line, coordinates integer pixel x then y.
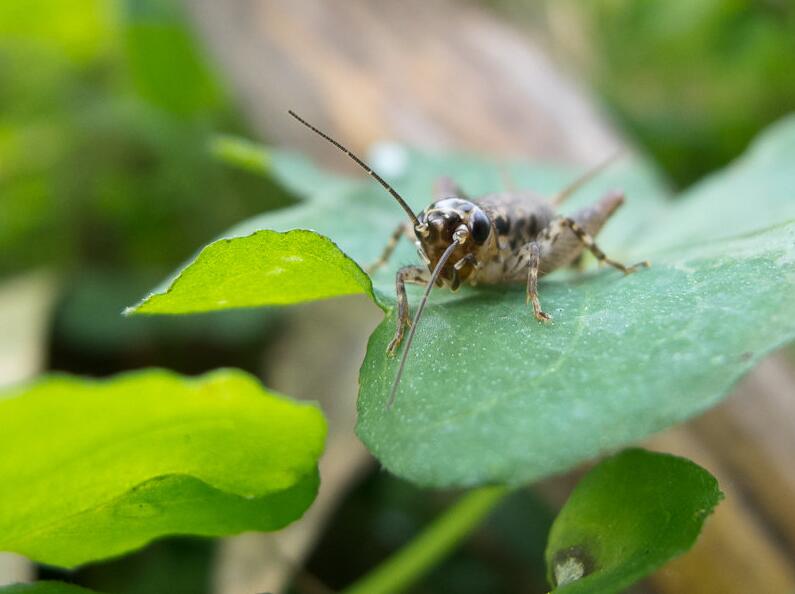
{"type": "Point", "coordinates": [491, 395]}
{"type": "Point", "coordinates": [92, 469]}
{"type": "Point", "coordinates": [627, 517]}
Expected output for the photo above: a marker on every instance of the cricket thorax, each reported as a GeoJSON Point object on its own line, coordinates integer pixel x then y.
{"type": "Point", "coordinates": [499, 224]}
{"type": "Point", "coordinates": [517, 218]}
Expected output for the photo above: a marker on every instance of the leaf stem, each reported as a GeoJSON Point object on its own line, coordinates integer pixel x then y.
{"type": "Point", "coordinates": [409, 564]}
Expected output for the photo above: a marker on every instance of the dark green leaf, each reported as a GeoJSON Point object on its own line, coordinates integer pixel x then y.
{"type": "Point", "coordinates": [164, 61]}
{"type": "Point", "coordinates": [626, 518]}
{"type": "Point", "coordinates": [92, 469]}
{"type": "Point", "coordinates": [491, 395]}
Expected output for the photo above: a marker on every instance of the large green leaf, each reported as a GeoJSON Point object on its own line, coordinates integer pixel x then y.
{"type": "Point", "coordinates": [92, 469]}
{"type": "Point", "coordinates": [626, 518]}
{"type": "Point", "coordinates": [489, 394]}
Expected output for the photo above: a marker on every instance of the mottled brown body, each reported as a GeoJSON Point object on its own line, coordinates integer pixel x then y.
{"type": "Point", "coordinates": [525, 239]}
{"type": "Point", "coordinates": [501, 238]}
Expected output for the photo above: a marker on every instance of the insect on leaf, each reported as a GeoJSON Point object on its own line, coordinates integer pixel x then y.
{"type": "Point", "coordinates": [629, 515]}
{"type": "Point", "coordinates": [491, 395]}
{"type": "Point", "coordinates": [148, 454]}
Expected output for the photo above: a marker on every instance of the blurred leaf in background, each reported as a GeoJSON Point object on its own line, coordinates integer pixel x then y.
{"type": "Point", "coordinates": [106, 111]}
{"type": "Point", "coordinates": [105, 115]}
{"type": "Point", "coordinates": [692, 81]}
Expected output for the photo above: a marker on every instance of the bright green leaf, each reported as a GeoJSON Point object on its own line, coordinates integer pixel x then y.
{"type": "Point", "coordinates": [92, 469]}
{"type": "Point", "coordinates": [264, 268]}
{"type": "Point", "coordinates": [47, 587]}
{"type": "Point", "coordinates": [627, 517]}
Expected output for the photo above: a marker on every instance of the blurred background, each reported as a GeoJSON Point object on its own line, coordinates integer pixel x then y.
{"type": "Point", "coordinates": [108, 109]}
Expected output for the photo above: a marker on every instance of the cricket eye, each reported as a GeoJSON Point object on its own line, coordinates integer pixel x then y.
{"type": "Point", "coordinates": [480, 226]}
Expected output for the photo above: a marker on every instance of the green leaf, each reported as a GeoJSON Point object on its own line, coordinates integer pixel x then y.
{"type": "Point", "coordinates": [489, 394]}
{"type": "Point", "coordinates": [47, 587]}
{"type": "Point", "coordinates": [264, 268]}
{"type": "Point", "coordinates": [93, 469]}
{"type": "Point", "coordinates": [164, 61]}
{"type": "Point", "coordinates": [627, 517]}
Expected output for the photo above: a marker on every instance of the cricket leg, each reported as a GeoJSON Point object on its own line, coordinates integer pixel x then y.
{"type": "Point", "coordinates": [589, 243]}
{"type": "Point", "coordinates": [532, 281]}
{"type": "Point", "coordinates": [388, 249]}
{"type": "Point", "coordinates": [408, 274]}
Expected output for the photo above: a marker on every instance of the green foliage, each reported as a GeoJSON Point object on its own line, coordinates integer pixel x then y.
{"type": "Point", "coordinates": [105, 111]}
{"type": "Point", "coordinates": [693, 80]}
{"type": "Point", "coordinates": [47, 587]}
{"type": "Point", "coordinates": [265, 268]}
{"type": "Point", "coordinates": [92, 469]}
{"type": "Point", "coordinates": [627, 517]}
{"type": "Point", "coordinates": [489, 394]}
{"type": "Point", "coordinates": [165, 63]}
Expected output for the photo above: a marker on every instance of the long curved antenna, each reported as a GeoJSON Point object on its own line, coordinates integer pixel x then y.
{"type": "Point", "coordinates": [363, 165]}
{"type": "Point", "coordinates": [434, 277]}
{"type": "Point", "coordinates": [561, 196]}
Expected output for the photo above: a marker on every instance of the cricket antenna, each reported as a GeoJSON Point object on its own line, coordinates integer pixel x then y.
{"type": "Point", "coordinates": [363, 165]}
{"type": "Point", "coordinates": [439, 266]}
{"type": "Point", "coordinates": [566, 192]}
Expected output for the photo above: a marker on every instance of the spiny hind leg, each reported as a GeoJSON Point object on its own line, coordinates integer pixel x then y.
{"type": "Point", "coordinates": [533, 254]}
{"type": "Point", "coordinates": [589, 243]}
{"type": "Point", "coordinates": [401, 230]}
{"type": "Point", "coordinates": [408, 274]}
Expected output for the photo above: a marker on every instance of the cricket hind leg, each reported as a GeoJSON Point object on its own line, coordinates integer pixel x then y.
{"type": "Point", "coordinates": [408, 274]}
{"type": "Point", "coordinates": [532, 281]}
{"type": "Point", "coordinates": [389, 249]}
{"type": "Point", "coordinates": [588, 242]}
{"type": "Point", "coordinates": [563, 240]}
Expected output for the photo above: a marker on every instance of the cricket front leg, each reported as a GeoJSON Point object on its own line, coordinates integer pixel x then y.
{"type": "Point", "coordinates": [533, 250]}
{"type": "Point", "coordinates": [408, 274]}
{"type": "Point", "coordinates": [401, 230]}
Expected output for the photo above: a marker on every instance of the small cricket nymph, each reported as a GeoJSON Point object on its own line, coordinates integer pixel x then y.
{"type": "Point", "coordinates": [502, 238]}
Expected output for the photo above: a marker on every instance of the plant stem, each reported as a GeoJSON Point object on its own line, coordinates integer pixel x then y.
{"type": "Point", "coordinates": [409, 564]}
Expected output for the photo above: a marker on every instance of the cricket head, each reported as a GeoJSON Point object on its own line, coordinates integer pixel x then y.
{"type": "Point", "coordinates": [448, 221]}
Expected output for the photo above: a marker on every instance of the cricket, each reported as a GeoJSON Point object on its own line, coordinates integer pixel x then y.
{"type": "Point", "coordinates": [506, 237]}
